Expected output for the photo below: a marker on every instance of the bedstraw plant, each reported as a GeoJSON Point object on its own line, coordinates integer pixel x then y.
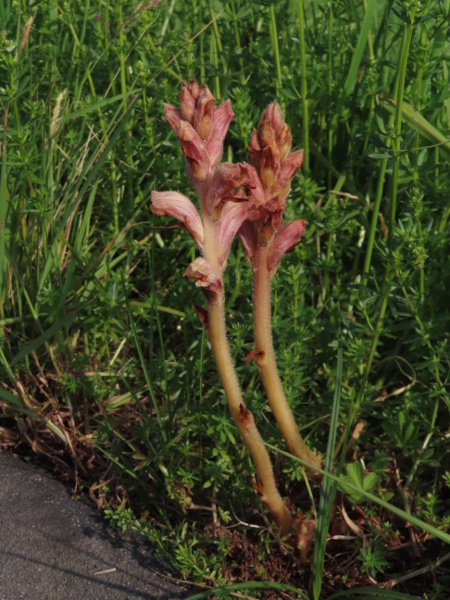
{"type": "Point", "coordinates": [105, 370]}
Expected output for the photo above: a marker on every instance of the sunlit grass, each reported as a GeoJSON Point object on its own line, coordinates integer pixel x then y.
{"type": "Point", "coordinates": [99, 344]}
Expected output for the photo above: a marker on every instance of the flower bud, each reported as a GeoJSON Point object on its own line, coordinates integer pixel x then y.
{"type": "Point", "coordinates": [204, 114]}
{"type": "Point", "coordinates": [266, 133]}
{"type": "Point", "coordinates": [274, 116]}
{"type": "Point", "coordinates": [194, 150]}
{"type": "Point", "coordinates": [254, 149]}
{"type": "Point", "coordinates": [283, 141]}
{"type": "Point", "coordinates": [187, 104]}
{"type": "Point", "coordinates": [194, 88]}
{"type": "Point", "coordinates": [270, 166]}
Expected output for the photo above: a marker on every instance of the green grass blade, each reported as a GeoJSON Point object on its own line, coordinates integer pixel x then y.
{"type": "Point", "coordinates": [371, 594]}
{"type": "Point", "coordinates": [416, 121]}
{"type": "Point", "coordinates": [66, 321]}
{"type": "Point", "coordinates": [328, 491]}
{"type": "Point", "coordinates": [4, 234]}
{"type": "Point", "coordinates": [97, 105]}
{"type": "Point", "coordinates": [89, 172]}
{"type": "Point", "coordinates": [86, 219]}
{"type": "Point", "coordinates": [164, 309]}
{"type": "Point", "coordinates": [15, 404]}
{"type": "Point", "coordinates": [226, 590]}
{"type": "Point", "coordinates": [144, 366]}
{"type": "Point", "coordinates": [358, 53]}
{"type": "Point", "coordinates": [441, 535]}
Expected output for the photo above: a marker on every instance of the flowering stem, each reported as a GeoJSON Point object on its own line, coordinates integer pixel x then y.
{"type": "Point", "coordinates": [243, 419]}
{"type": "Point", "coordinates": [265, 359]}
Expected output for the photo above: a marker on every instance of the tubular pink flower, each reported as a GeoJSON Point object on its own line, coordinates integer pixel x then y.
{"type": "Point", "coordinates": [173, 117]}
{"type": "Point", "coordinates": [271, 219]}
{"type": "Point", "coordinates": [233, 216]}
{"type": "Point", "coordinates": [223, 115]}
{"type": "Point", "coordinates": [233, 183]}
{"type": "Point", "coordinates": [204, 275]}
{"type": "Point", "coordinates": [288, 169]}
{"type": "Point", "coordinates": [248, 236]}
{"type": "Point", "coordinates": [225, 186]}
{"type": "Point", "coordinates": [285, 241]}
{"type": "Point", "coordinates": [177, 205]}
{"type": "Point", "coordinates": [205, 278]}
{"type": "Point", "coordinates": [194, 150]}
{"type": "Point", "coordinates": [252, 185]}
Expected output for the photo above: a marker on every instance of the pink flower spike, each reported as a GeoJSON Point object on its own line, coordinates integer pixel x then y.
{"type": "Point", "coordinates": [223, 115]}
{"type": "Point", "coordinates": [233, 216]}
{"type": "Point", "coordinates": [285, 241]}
{"type": "Point", "coordinates": [178, 206]}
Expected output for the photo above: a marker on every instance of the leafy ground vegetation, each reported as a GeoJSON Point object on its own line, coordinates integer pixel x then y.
{"type": "Point", "coordinates": [106, 371]}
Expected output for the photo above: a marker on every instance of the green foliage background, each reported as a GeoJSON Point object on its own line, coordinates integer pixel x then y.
{"type": "Point", "coordinates": [99, 343]}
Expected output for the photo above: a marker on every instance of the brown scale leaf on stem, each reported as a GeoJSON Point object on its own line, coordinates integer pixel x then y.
{"type": "Point", "coordinates": [202, 315]}
{"type": "Point", "coordinates": [253, 354]}
{"type": "Point", "coordinates": [245, 416]}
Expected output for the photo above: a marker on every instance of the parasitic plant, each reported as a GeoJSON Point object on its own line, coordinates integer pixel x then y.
{"type": "Point", "coordinates": [264, 241]}
{"type": "Point", "coordinates": [201, 129]}
{"type": "Point", "coordinates": [247, 200]}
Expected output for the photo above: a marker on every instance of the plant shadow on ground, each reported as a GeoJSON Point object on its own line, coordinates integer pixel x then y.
{"type": "Point", "coordinates": [105, 369]}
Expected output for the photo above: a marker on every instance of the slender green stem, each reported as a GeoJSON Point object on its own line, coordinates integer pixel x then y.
{"type": "Point", "coordinates": [275, 49]}
{"type": "Point", "coordinates": [238, 40]}
{"type": "Point", "coordinates": [398, 125]}
{"type": "Point", "coordinates": [305, 101]}
{"type": "Point", "coordinates": [330, 87]}
{"type": "Point", "coordinates": [328, 490]}
{"type": "Point", "coordinates": [331, 236]}
{"type": "Point", "coordinates": [219, 48]}
{"type": "Point", "coordinates": [265, 359]}
{"type": "Point", "coordinates": [374, 221]}
{"type": "Point", "coordinates": [214, 62]}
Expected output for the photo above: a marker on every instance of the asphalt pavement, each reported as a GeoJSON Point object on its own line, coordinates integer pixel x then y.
{"type": "Point", "coordinates": [55, 548]}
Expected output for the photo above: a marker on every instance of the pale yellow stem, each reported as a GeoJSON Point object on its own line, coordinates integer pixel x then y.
{"type": "Point", "coordinates": [266, 487]}
{"type": "Point", "coordinates": [265, 359]}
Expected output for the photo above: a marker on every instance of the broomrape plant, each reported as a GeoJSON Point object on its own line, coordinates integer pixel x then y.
{"type": "Point", "coordinates": [247, 200]}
